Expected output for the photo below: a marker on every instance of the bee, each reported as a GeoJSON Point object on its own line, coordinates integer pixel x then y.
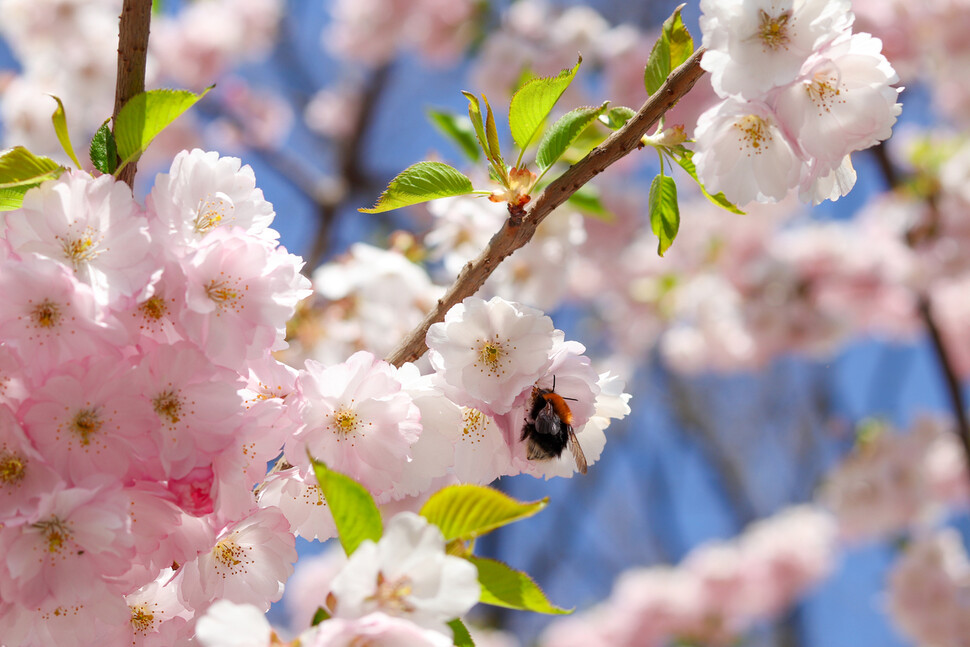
{"type": "Point", "coordinates": [548, 428]}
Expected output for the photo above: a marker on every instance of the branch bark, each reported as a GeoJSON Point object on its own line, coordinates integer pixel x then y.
{"type": "Point", "coordinates": [514, 233]}
{"type": "Point", "coordinates": [132, 54]}
{"type": "Point", "coordinates": [925, 308]}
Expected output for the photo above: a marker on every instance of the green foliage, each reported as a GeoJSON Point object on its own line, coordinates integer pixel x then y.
{"type": "Point", "coordinates": [461, 636]}
{"type": "Point", "coordinates": [532, 103]}
{"type": "Point", "coordinates": [103, 151]}
{"type": "Point", "coordinates": [685, 159]}
{"type": "Point", "coordinates": [503, 586]}
{"type": "Point", "coordinates": [617, 117]}
{"type": "Point", "coordinates": [145, 115]}
{"type": "Point", "coordinates": [419, 183]}
{"type": "Point", "coordinates": [459, 131]}
{"type": "Point", "coordinates": [20, 171]}
{"type": "Point", "coordinates": [674, 46]}
{"type": "Point", "coordinates": [557, 139]}
{"type": "Point", "coordinates": [319, 616]}
{"type": "Point", "coordinates": [664, 212]}
{"type": "Point", "coordinates": [468, 511]}
{"type": "Point", "coordinates": [60, 128]}
{"type": "Point", "coordinates": [587, 200]}
{"type": "Point", "coordinates": [354, 512]}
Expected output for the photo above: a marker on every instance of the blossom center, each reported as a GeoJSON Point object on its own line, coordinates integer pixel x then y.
{"type": "Point", "coordinates": [231, 555]}
{"type": "Point", "coordinates": [345, 421]}
{"type": "Point", "coordinates": [142, 620]}
{"type": "Point", "coordinates": [210, 215]}
{"type": "Point", "coordinates": [222, 293]}
{"type": "Point", "coordinates": [55, 532]}
{"type": "Point", "coordinates": [168, 405]}
{"type": "Point", "coordinates": [80, 250]}
{"type": "Point", "coordinates": [46, 314]}
{"type": "Point", "coordinates": [754, 132]}
{"type": "Point", "coordinates": [474, 423]}
{"type": "Point", "coordinates": [774, 31]}
{"type": "Point", "coordinates": [13, 468]}
{"type": "Point", "coordinates": [154, 308]}
{"type": "Point", "coordinates": [492, 356]}
{"type": "Point", "coordinates": [86, 423]}
{"type": "Point", "coordinates": [824, 91]}
{"type": "Point", "coordinates": [392, 595]}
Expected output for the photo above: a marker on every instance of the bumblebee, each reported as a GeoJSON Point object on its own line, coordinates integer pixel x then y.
{"type": "Point", "coordinates": [548, 428]}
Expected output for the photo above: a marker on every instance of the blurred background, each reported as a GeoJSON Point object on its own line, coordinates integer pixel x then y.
{"type": "Point", "coordinates": [779, 358]}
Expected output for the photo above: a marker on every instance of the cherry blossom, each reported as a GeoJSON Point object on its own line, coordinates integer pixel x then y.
{"type": "Point", "coordinates": [406, 574]}
{"type": "Point", "coordinates": [490, 352]}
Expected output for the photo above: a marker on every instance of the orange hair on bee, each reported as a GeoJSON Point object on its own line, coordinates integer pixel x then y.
{"type": "Point", "coordinates": [559, 406]}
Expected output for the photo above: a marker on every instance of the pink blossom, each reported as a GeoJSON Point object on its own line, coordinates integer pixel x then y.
{"type": "Point", "coordinates": [203, 192]}
{"type": "Point", "coordinates": [248, 564]}
{"type": "Point", "coordinates": [754, 45]}
{"type": "Point", "coordinates": [50, 317]}
{"type": "Point", "coordinates": [375, 629]}
{"type": "Point", "coordinates": [91, 225]}
{"type": "Point", "coordinates": [226, 624]}
{"type": "Point", "coordinates": [158, 619]}
{"type": "Point", "coordinates": [298, 496]}
{"type": "Point", "coordinates": [69, 549]}
{"type": "Point", "coordinates": [90, 418]}
{"type": "Point", "coordinates": [307, 590]}
{"type": "Point", "coordinates": [490, 352]}
{"type": "Point", "coordinates": [241, 292]}
{"type": "Point", "coordinates": [357, 420]}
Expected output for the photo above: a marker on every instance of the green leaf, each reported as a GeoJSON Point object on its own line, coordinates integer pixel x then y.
{"type": "Point", "coordinates": [491, 133]}
{"type": "Point", "coordinates": [461, 636]}
{"type": "Point", "coordinates": [12, 198]}
{"type": "Point", "coordinates": [419, 183]}
{"type": "Point", "coordinates": [21, 168]}
{"type": "Point", "coordinates": [563, 133]}
{"type": "Point", "coordinates": [60, 127]}
{"type": "Point", "coordinates": [147, 114]}
{"type": "Point", "coordinates": [532, 103]}
{"type": "Point", "coordinates": [617, 117]}
{"type": "Point", "coordinates": [468, 511]}
{"type": "Point", "coordinates": [475, 114]}
{"type": "Point", "coordinates": [664, 212]}
{"type": "Point", "coordinates": [319, 616]}
{"type": "Point", "coordinates": [458, 129]}
{"type": "Point", "coordinates": [103, 151]}
{"type": "Point", "coordinates": [503, 586]}
{"type": "Point", "coordinates": [354, 511]}
{"type": "Point", "coordinates": [674, 46]}
{"type": "Point", "coordinates": [587, 200]}
{"type": "Point", "coordinates": [685, 159]}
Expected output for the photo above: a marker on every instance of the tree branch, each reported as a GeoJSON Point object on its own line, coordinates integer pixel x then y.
{"type": "Point", "coordinates": [133, 29]}
{"type": "Point", "coordinates": [925, 307]}
{"type": "Point", "coordinates": [515, 233]}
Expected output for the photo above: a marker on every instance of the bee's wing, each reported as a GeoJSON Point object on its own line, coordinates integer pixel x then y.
{"type": "Point", "coordinates": [576, 450]}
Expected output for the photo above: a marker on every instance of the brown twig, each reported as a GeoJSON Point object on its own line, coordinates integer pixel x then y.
{"type": "Point", "coordinates": [133, 30]}
{"type": "Point", "coordinates": [925, 306]}
{"type": "Point", "coordinates": [510, 238]}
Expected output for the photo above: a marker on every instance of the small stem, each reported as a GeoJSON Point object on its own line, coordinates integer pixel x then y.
{"type": "Point", "coordinates": [133, 31]}
{"type": "Point", "coordinates": [953, 387]}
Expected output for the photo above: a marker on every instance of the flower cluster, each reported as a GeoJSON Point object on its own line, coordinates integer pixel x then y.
{"type": "Point", "coordinates": [718, 591]}
{"type": "Point", "coordinates": [800, 92]}
{"type": "Point", "coordinates": [893, 482]}
{"type": "Point", "coordinates": [139, 404]}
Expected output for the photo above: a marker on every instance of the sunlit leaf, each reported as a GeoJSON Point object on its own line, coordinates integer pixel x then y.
{"type": "Point", "coordinates": [468, 511]}
{"type": "Point", "coordinates": [60, 129]}
{"type": "Point", "coordinates": [503, 586]}
{"type": "Point", "coordinates": [664, 212]}
{"type": "Point", "coordinates": [459, 130]}
{"type": "Point", "coordinates": [560, 136]}
{"type": "Point", "coordinates": [21, 168]}
{"type": "Point", "coordinates": [103, 151]}
{"type": "Point", "coordinates": [145, 115]}
{"type": "Point", "coordinates": [532, 103]}
{"type": "Point", "coordinates": [674, 46]}
{"type": "Point", "coordinates": [419, 183]}
{"type": "Point", "coordinates": [460, 632]}
{"type": "Point", "coordinates": [354, 511]}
